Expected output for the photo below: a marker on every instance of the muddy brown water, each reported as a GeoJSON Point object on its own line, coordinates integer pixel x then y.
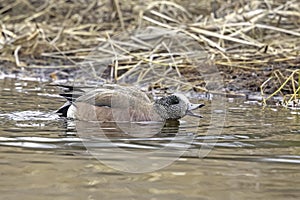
{"type": "Point", "coordinates": [256, 156]}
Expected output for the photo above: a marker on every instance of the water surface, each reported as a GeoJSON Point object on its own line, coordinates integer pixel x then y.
{"type": "Point", "coordinates": [257, 155]}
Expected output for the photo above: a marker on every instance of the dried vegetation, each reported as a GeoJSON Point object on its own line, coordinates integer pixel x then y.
{"type": "Point", "coordinates": [255, 44]}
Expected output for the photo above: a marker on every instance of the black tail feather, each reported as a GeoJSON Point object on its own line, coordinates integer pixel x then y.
{"type": "Point", "coordinates": [70, 93]}
{"type": "Point", "coordinates": [62, 111]}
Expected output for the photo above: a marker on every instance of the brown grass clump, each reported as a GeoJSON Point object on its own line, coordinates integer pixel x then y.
{"type": "Point", "coordinates": [287, 86]}
{"type": "Point", "coordinates": [253, 43]}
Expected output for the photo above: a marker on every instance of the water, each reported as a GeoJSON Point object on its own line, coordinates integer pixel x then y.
{"type": "Point", "coordinates": [257, 155]}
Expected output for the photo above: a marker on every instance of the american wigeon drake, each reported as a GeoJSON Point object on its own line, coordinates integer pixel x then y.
{"type": "Point", "coordinates": [118, 103]}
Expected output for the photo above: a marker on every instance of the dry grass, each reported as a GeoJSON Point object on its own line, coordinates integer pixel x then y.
{"type": "Point", "coordinates": [287, 86]}
{"type": "Point", "coordinates": [256, 40]}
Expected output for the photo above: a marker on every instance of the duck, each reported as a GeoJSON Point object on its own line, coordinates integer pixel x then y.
{"type": "Point", "coordinates": [119, 103]}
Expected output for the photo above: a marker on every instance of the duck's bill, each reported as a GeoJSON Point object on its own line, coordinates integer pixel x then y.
{"type": "Point", "coordinates": [193, 107]}
{"type": "Point", "coordinates": [190, 113]}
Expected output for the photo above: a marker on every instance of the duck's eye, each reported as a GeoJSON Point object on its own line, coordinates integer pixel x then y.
{"type": "Point", "coordinates": [173, 100]}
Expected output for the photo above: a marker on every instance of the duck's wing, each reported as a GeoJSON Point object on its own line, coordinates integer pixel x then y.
{"type": "Point", "coordinates": [114, 98]}
{"type": "Point", "coordinates": [130, 91]}
{"type": "Point", "coordinates": [106, 96]}
{"type": "Point", "coordinates": [71, 93]}
{"type": "Point", "coordinates": [97, 97]}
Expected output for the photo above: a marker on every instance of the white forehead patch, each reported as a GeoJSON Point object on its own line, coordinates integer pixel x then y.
{"type": "Point", "coordinates": [182, 97]}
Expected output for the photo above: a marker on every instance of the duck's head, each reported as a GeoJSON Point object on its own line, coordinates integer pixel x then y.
{"type": "Point", "coordinates": [175, 106]}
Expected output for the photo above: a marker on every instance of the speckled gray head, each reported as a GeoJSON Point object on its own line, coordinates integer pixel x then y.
{"type": "Point", "coordinates": [175, 106]}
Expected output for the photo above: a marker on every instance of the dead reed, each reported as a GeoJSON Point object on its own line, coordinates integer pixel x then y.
{"type": "Point", "coordinates": [256, 40]}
